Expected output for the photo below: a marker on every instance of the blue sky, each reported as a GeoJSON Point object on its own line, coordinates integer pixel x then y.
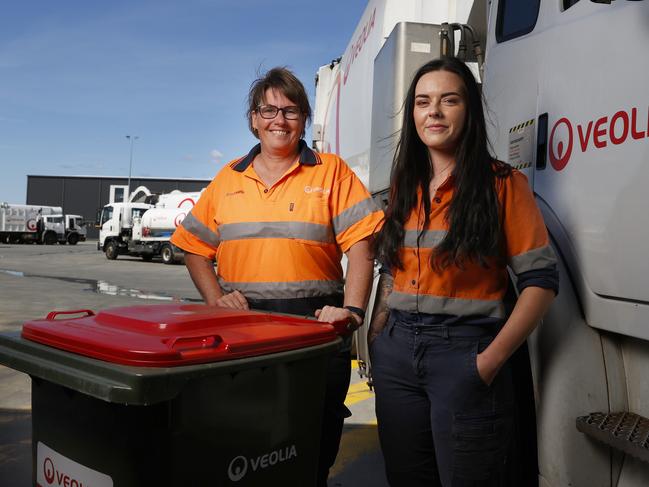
{"type": "Point", "coordinates": [77, 76]}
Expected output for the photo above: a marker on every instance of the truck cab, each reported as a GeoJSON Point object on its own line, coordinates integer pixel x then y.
{"type": "Point", "coordinates": [116, 226]}
{"type": "Point", "coordinates": [53, 229]}
{"type": "Point", "coordinates": [63, 229]}
{"type": "Point", "coordinates": [570, 107]}
{"type": "Point", "coordinates": [75, 229]}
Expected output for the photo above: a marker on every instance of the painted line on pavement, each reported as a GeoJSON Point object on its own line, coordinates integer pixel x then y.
{"type": "Point", "coordinates": [357, 393]}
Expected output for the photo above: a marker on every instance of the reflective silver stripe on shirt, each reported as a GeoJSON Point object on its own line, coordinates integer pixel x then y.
{"type": "Point", "coordinates": [540, 258]}
{"type": "Point", "coordinates": [282, 290]}
{"type": "Point", "coordinates": [199, 230]}
{"type": "Point", "coordinates": [303, 230]}
{"type": "Point", "coordinates": [424, 303]}
{"type": "Point", "coordinates": [354, 214]}
{"type": "Point", "coordinates": [428, 240]}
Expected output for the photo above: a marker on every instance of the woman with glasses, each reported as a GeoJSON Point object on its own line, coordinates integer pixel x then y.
{"type": "Point", "coordinates": [277, 222]}
{"type": "Point", "coordinates": [440, 339]}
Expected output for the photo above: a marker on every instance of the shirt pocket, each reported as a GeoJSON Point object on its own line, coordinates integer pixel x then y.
{"type": "Point", "coordinates": [311, 224]}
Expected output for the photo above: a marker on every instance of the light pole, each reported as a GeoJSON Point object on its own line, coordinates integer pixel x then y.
{"type": "Point", "coordinates": [132, 139]}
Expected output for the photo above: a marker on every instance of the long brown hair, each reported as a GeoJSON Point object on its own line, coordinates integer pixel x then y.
{"type": "Point", "coordinates": [473, 217]}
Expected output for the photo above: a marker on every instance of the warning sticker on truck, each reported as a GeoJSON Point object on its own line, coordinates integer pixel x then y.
{"type": "Point", "coordinates": [53, 469]}
{"type": "Point", "coordinates": [520, 145]}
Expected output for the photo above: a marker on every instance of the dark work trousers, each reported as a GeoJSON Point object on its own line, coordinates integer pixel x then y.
{"type": "Point", "coordinates": [338, 376]}
{"type": "Point", "coordinates": [439, 423]}
{"type": "Point", "coordinates": [335, 412]}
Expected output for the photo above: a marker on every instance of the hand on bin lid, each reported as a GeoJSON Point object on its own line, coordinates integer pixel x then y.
{"type": "Point", "coordinates": [344, 327]}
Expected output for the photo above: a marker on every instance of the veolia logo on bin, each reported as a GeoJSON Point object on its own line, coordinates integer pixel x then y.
{"type": "Point", "coordinates": [53, 476]}
{"type": "Point", "coordinates": [56, 470]}
{"type": "Point", "coordinates": [240, 465]}
{"type": "Point", "coordinates": [48, 470]}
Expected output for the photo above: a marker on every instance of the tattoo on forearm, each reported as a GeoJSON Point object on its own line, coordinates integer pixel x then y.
{"type": "Point", "coordinates": [380, 311]}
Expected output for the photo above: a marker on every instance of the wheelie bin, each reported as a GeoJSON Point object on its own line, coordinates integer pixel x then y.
{"type": "Point", "coordinates": [173, 395]}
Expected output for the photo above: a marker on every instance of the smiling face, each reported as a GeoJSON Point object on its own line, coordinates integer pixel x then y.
{"type": "Point", "coordinates": [440, 111]}
{"type": "Point", "coordinates": [278, 135]}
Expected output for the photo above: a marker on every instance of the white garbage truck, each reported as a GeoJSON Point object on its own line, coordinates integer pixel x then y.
{"type": "Point", "coordinates": [565, 86]}
{"type": "Point", "coordinates": [39, 224]}
{"type": "Point", "coordinates": [143, 226]}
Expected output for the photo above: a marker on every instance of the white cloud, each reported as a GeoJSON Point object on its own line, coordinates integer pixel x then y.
{"type": "Point", "coordinates": [216, 156]}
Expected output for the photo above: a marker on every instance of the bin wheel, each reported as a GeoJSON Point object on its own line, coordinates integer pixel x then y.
{"type": "Point", "coordinates": [49, 238]}
{"type": "Point", "coordinates": [167, 254]}
{"type": "Point", "coordinates": [73, 238]}
{"type": "Point", "coordinates": [111, 250]}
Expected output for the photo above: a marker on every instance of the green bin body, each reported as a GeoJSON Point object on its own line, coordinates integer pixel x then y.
{"type": "Point", "coordinates": [235, 398]}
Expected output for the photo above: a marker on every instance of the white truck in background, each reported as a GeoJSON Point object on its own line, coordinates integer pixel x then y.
{"type": "Point", "coordinates": [39, 224]}
{"type": "Point", "coordinates": [75, 229]}
{"type": "Point", "coordinates": [565, 85]}
{"type": "Point", "coordinates": [143, 226]}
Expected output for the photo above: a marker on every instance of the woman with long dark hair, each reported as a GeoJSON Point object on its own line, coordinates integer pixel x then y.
{"type": "Point", "coordinates": [439, 337]}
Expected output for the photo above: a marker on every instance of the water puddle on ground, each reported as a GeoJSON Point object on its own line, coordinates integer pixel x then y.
{"type": "Point", "coordinates": [105, 287]}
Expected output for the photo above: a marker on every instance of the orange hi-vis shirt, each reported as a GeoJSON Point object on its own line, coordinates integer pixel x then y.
{"type": "Point", "coordinates": [474, 290]}
{"type": "Point", "coordinates": [284, 241]}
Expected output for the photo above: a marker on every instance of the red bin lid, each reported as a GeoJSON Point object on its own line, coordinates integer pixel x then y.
{"type": "Point", "coordinates": [175, 334]}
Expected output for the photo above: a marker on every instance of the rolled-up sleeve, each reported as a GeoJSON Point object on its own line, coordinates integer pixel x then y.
{"type": "Point", "coordinates": [529, 252]}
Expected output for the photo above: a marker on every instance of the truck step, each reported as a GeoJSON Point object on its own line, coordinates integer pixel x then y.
{"type": "Point", "coordinates": [623, 431]}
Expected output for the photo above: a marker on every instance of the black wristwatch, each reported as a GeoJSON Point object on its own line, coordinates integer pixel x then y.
{"type": "Point", "coordinates": [357, 311]}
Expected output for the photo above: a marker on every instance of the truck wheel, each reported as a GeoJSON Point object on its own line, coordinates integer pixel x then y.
{"type": "Point", "coordinates": [73, 238]}
{"type": "Point", "coordinates": [49, 238]}
{"type": "Point", "coordinates": [111, 250]}
{"type": "Point", "coordinates": [147, 257]}
{"type": "Point", "coordinates": [167, 254]}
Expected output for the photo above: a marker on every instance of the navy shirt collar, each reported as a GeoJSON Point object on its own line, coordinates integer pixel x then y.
{"type": "Point", "coordinates": [308, 157]}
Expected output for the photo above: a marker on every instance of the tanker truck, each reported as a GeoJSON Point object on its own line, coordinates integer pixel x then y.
{"type": "Point", "coordinates": [564, 83]}
{"type": "Point", "coordinates": [143, 226]}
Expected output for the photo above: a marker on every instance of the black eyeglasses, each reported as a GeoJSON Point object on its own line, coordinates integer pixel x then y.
{"type": "Point", "coordinates": [271, 111]}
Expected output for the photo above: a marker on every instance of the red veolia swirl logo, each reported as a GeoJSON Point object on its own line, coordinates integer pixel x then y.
{"type": "Point", "coordinates": [561, 139]}
{"type": "Point", "coordinates": [187, 203]}
{"type": "Point", "coordinates": [48, 470]}
{"type": "Point", "coordinates": [179, 218]}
